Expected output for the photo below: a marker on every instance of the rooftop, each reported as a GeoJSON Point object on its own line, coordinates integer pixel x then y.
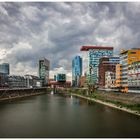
{"type": "Point", "coordinates": [86, 48]}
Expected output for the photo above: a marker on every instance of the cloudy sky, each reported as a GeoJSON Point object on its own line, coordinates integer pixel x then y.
{"type": "Point", "coordinates": [29, 31]}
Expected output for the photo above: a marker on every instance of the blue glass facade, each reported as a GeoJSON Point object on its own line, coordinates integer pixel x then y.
{"type": "Point", "coordinates": [4, 68]}
{"type": "Point", "coordinates": [60, 77]}
{"type": "Point", "coordinates": [94, 56]}
{"type": "Point", "coordinates": [76, 70]}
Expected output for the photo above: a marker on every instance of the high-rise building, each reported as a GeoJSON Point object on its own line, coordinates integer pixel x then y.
{"type": "Point", "coordinates": [106, 64]}
{"type": "Point", "coordinates": [127, 57]}
{"type": "Point", "coordinates": [44, 67]}
{"type": "Point", "coordinates": [4, 68]}
{"type": "Point", "coordinates": [4, 72]}
{"type": "Point", "coordinates": [94, 54]}
{"type": "Point", "coordinates": [76, 70]}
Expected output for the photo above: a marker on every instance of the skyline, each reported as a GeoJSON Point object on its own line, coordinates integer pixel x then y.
{"type": "Point", "coordinates": [57, 30]}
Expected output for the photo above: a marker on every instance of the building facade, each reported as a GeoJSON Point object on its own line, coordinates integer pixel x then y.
{"type": "Point", "coordinates": [27, 81]}
{"type": "Point", "coordinates": [4, 72]}
{"type": "Point", "coordinates": [118, 76]}
{"type": "Point", "coordinates": [60, 77]}
{"type": "Point", "coordinates": [127, 57]}
{"type": "Point", "coordinates": [106, 64]}
{"type": "Point", "coordinates": [94, 54]}
{"type": "Point", "coordinates": [76, 70]}
{"type": "Point", "coordinates": [134, 77]}
{"type": "Point", "coordinates": [5, 68]}
{"type": "Point", "coordinates": [44, 67]}
{"type": "Point", "coordinates": [110, 78]}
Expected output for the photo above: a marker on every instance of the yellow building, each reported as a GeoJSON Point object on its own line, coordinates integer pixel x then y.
{"type": "Point", "coordinates": [126, 58]}
{"type": "Point", "coordinates": [118, 76]}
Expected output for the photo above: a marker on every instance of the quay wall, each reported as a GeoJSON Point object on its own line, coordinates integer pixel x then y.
{"type": "Point", "coordinates": [9, 94]}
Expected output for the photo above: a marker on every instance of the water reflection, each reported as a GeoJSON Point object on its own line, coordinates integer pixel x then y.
{"type": "Point", "coordinates": [65, 116]}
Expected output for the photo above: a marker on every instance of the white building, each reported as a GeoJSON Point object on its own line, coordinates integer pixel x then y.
{"type": "Point", "coordinates": [110, 78]}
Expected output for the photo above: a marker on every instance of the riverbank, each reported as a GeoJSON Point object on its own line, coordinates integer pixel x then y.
{"type": "Point", "coordinates": [108, 104]}
{"type": "Point", "coordinates": [19, 97]}
{"type": "Point", "coordinates": [12, 94]}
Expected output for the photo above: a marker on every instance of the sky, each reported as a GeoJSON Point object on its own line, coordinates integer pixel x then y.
{"type": "Point", "coordinates": [57, 30]}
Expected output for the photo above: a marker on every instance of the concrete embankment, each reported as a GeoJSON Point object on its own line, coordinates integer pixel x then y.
{"type": "Point", "coordinates": [12, 94]}
{"type": "Point", "coordinates": [108, 104]}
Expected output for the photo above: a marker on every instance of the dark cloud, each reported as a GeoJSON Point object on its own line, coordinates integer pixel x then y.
{"type": "Point", "coordinates": [57, 30]}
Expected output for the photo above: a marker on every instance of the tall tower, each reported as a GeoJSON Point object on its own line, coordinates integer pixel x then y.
{"type": "Point", "coordinates": [44, 67]}
{"type": "Point", "coordinates": [76, 70]}
{"type": "Point", "coordinates": [94, 54]}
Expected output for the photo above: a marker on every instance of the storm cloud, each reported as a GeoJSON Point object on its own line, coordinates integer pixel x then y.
{"type": "Point", "coordinates": [32, 30]}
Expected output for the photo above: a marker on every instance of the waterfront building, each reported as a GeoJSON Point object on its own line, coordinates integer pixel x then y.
{"type": "Point", "coordinates": [118, 76]}
{"type": "Point", "coordinates": [110, 78]}
{"type": "Point", "coordinates": [127, 57]}
{"type": "Point", "coordinates": [3, 80]}
{"type": "Point", "coordinates": [33, 81]}
{"type": "Point", "coordinates": [44, 67]}
{"type": "Point", "coordinates": [5, 68]}
{"type": "Point", "coordinates": [60, 77]}
{"type": "Point", "coordinates": [134, 77]}
{"type": "Point", "coordinates": [4, 72]}
{"type": "Point", "coordinates": [26, 81]}
{"type": "Point", "coordinates": [16, 81]}
{"type": "Point", "coordinates": [106, 64]}
{"type": "Point", "coordinates": [76, 70]}
{"type": "Point", "coordinates": [94, 54]}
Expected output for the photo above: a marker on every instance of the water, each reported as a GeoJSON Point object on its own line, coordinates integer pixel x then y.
{"type": "Point", "coordinates": [64, 117]}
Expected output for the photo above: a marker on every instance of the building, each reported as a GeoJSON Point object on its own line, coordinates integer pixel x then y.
{"type": "Point", "coordinates": [76, 70]}
{"type": "Point", "coordinates": [106, 65]}
{"type": "Point", "coordinates": [44, 67]}
{"type": "Point", "coordinates": [127, 57]}
{"type": "Point", "coordinates": [118, 76]}
{"type": "Point", "coordinates": [5, 68]}
{"type": "Point", "coordinates": [134, 77]}
{"type": "Point", "coordinates": [3, 80]}
{"type": "Point", "coordinates": [59, 81]}
{"type": "Point", "coordinates": [33, 81]}
{"type": "Point", "coordinates": [94, 54]}
{"type": "Point", "coordinates": [4, 72]}
{"type": "Point", "coordinates": [27, 81]}
{"type": "Point", "coordinates": [15, 81]}
{"type": "Point", "coordinates": [60, 77]}
{"type": "Point", "coordinates": [110, 78]}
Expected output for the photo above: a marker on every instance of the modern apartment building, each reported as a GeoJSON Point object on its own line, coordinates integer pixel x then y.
{"type": "Point", "coordinates": [110, 78]}
{"type": "Point", "coordinates": [127, 57]}
{"type": "Point", "coordinates": [44, 67]}
{"type": "Point", "coordinates": [76, 70]}
{"type": "Point", "coordinates": [94, 54]}
{"type": "Point", "coordinates": [118, 76]}
{"type": "Point", "coordinates": [106, 64]}
{"type": "Point", "coordinates": [134, 77]}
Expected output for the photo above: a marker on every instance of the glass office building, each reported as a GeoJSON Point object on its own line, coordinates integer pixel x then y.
{"type": "Point", "coordinates": [94, 54]}
{"type": "Point", "coordinates": [44, 67]}
{"type": "Point", "coordinates": [76, 70]}
{"type": "Point", "coordinates": [4, 68]}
